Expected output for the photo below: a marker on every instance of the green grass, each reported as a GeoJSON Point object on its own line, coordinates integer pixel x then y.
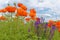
{"type": "Point", "coordinates": [17, 30]}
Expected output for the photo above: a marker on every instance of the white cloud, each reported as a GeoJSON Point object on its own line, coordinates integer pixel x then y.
{"type": "Point", "coordinates": [3, 1]}
{"type": "Point", "coordinates": [44, 15]}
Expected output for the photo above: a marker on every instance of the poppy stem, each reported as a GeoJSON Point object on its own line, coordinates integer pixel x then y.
{"type": "Point", "coordinates": [11, 16]}
{"type": "Point", "coordinates": [17, 23]}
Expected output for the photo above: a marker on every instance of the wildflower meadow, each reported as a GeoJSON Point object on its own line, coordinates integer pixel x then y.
{"type": "Point", "coordinates": [18, 24]}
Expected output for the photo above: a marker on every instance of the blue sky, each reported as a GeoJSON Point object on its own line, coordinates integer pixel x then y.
{"type": "Point", "coordinates": [49, 9]}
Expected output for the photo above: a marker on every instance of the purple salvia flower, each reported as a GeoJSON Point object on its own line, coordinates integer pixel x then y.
{"type": "Point", "coordinates": [37, 22]}
{"type": "Point", "coordinates": [52, 28]}
{"type": "Point", "coordinates": [52, 32]}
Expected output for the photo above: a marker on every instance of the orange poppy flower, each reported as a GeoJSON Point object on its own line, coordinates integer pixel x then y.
{"type": "Point", "coordinates": [10, 8]}
{"type": "Point", "coordinates": [50, 23]}
{"type": "Point", "coordinates": [32, 13]}
{"type": "Point", "coordinates": [33, 10]}
{"type": "Point", "coordinates": [33, 18]}
{"type": "Point", "coordinates": [17, 15]}
{"type": "Point", "coordinates": [0, 10]}
{"type": "Point", "coordinates": [58, 24]}
{"type": "Point", "coordinates": [2, 18]}
{"type": "Point", "coordinates": [4, 10]}
{"type": "Point", "coordinates": [24, 13]}
{"type": "Point", "coordinates": [27, 19]}
{"type": "Point", "coordinates": [37, 19]}
{"type": "Point", "coordinates": [22, 6]}
{"type": "Point", "coordinates": [21, 12]}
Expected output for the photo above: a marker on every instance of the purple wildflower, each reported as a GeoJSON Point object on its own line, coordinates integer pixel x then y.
{"type": "Point", "coordinates": [37, 22]}
{"type": "Point", "coordinates": [52, 32]}
{"type": "Point", "coordinates": [52, 28]}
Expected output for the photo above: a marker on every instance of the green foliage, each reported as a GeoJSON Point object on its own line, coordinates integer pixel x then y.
{"type": "Point", "coordinates": [17, 30]}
